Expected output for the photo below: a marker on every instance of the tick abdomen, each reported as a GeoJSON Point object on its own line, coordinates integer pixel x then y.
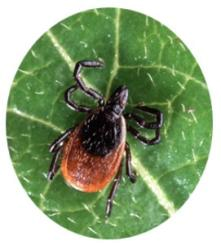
{"type": "Point", "coordinates": [87, 171]}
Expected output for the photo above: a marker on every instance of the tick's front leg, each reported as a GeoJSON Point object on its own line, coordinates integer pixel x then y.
{"type": "Point", "coordinates": [88, 91]}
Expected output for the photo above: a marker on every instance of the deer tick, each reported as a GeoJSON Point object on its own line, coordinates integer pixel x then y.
{"type": "Point", "coordinates": [92, 151]}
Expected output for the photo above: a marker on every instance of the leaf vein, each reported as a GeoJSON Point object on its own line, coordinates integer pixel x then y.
{"type": "Point", "coordinates": [61, 50]}
{"type": "Point", "coordinates": [169, 69]}
{"type": "Point", "coordinates": [116, 54]}
{"type": "Point", "coordinates": [188, 164]}
{"type": "Point", "coordinates": [64, 54]}
{"type": "Point", "coordinates": [154, 186]}
{"type": "Point", "coordinates": [34, 119]}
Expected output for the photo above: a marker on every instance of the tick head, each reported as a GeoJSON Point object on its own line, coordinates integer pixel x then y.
{"type": "Point", "coordinates": [117, 102]}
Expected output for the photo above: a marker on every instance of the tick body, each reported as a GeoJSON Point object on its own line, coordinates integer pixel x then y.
{"type": "Point", "coordinates": [92, 152]}
{"type": "Point", "coordinates": [90, 161]}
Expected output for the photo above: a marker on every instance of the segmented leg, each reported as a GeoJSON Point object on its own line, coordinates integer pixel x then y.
{"type": "Point", "coordinates": [88, 91]}
{"type": "Point", "coordinates": [58, 143]}
{"type": "Point", "coordinates": [113, 191]}
{"type": "Point", "coordinates": [141, 122]}
{"type": "Point", "coordinates": [156, 112]}
{"type": "Point", "coordinates": [72, 104]}
{"type": "Point", "coordinates": [143, 139]}
{"type": "Point", "coordinates": [130, 172]}
{"type": "Point", "coordinates": [54, 165]}
{"type": "Point", "coordinates": [56, 148]}
{"type": "Point", "coordinates": [144, 124]}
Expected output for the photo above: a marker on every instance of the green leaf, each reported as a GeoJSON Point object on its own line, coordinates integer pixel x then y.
{"type": "Point", "coordinates": [159, 71]}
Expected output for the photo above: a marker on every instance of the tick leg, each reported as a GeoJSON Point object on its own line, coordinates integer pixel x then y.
{"type": "Point", "coordinates": [141, 122]}
{"type": "Point", "coordinates": [143, 139]}
{"type": "Point", "coordinates": [153, 111]}
{"type": "Point", "coordinates": [144, 124]}
{"type": "Point", "coordinates": [58, 143]}
{"type": "Point", "coordinates": [88, 91]}
{"type": "Point", "coordinates": [130, 173]}
{"type": "Point", "coordinates": [54, 165]}
{"type": "Point", "coordinates": [56, 148]}
{"type": "Point", "coordinates": [72, 104]}
{"type": "Point", "coordinates": [113, 191]}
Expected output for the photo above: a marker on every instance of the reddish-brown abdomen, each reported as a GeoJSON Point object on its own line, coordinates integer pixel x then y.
{"type": "Point", "coordinates": [85, 171]}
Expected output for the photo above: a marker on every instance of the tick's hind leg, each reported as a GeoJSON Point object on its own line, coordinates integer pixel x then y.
{"type": "Point", "coordinates": [130, 172]}
{"type": "Point", "coordinates": [88, 91]}
{"type": "Point", "coordinates": [56, 148]}
{"type": "Point", "coordinates": [113, 191]}
{"type": "Point", "coordinates": [54, 165]}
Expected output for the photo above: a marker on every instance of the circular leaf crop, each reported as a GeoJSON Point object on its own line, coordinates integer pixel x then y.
{"type": "Point", "coordinates": [159, 71]}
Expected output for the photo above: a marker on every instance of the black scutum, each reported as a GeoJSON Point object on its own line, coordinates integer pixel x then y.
{"type": "Point", "coordinates": [99, 134]}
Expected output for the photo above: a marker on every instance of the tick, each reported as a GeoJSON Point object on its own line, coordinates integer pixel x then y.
{"type": "Point", "coordinates": [92, 151]}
